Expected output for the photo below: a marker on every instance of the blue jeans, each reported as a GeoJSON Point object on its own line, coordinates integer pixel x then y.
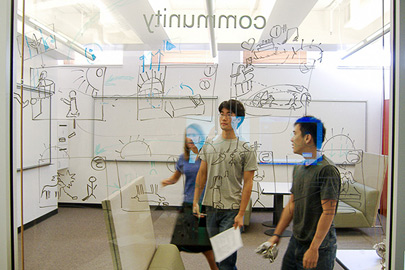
{"type": "Point", "coordinates": [327, 253]}
{"type": "Point", "coordinates": [219, 220]}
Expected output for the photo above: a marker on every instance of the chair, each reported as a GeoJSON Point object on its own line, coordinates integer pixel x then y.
{"type": "Point", "coordinates": [131, 235]}
{"type": "Point", "coordinates": [360, 199]}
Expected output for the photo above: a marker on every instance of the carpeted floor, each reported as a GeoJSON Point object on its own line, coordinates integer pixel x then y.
{"type": "Point", "coordinates": [76, 238]}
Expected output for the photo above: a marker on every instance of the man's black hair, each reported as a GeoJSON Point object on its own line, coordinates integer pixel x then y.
{"type": "Point", "coordinates": [314, 127]}
{"type": "Point", "coordinates": [234, 106]}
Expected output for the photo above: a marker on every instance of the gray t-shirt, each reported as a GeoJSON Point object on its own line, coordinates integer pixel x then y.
{"type": "Point", "coordinates": [311, 184]}
{"type": "Point", "coordinates": [226, 162]}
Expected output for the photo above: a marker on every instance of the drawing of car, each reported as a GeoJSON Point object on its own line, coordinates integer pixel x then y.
{"type": "Point", "coordinates": [278, 97]}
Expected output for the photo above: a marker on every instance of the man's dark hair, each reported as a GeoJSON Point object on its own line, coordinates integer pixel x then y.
{"type": "Point", "coordinates": [234, 106]}
{"type": "Point", "coordinates": [314, 127]}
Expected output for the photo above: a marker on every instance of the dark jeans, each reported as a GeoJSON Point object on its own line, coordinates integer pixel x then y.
{"type": "Point", "coordinates": [295, 253]}
{"type": "Point", "coordinates": [219, 220]}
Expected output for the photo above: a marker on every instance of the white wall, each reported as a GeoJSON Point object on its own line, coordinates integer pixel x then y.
{"type": "Point", "coordinates": [34, 177]}
{"type": "Point", "coordinates": [6, 223]}
{"type": "Point", "coordinates": [327, 83]}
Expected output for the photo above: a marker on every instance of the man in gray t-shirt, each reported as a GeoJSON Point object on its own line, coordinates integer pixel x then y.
{"type": "Point", "coordinates": [313, 203]}
{"type": "Point", "coordinates": [226, 171]}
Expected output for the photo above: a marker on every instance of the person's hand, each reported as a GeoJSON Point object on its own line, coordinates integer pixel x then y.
{"type": "Point", "coordinates": [238, 221]}
{"type": "Point", "coordinates": [196, 211]}
{"type": "Point", "coordinates": [263, 248]}
{"type": "Point", "coordinates": [268, 250]}
{"type": "Point", "coordinates": [166, 182]}
{"type": "Point", "coordinates": [310, 259]}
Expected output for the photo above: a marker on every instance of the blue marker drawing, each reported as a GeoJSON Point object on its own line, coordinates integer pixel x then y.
{"type": "Point", "coordinates": [89, 52]}
{"type": "Point", "coordinates": [168, 45]}
{"type": "Point", "coordinates": [159, 54]}
{"type": "Point", "coordinates": [28, 45]}
{"type": "Point", "coordinates": [150, 55]}
{"type": "Point", "coordinates": [184, 85]}
{"type": "Point", "coordinates": [44, 40]}
{"type": "Point", "coordinates": [144, 58]}
{"type": "Point", "coordinates": [116, 78]}
{"type": "Point", "coordinates": [99, 150]}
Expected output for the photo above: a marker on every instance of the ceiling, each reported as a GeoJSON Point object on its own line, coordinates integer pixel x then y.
{"type": "Point", "coordinates": [134, 24]}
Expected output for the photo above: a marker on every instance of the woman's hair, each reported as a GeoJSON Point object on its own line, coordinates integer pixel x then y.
{"type": "Point", "coordinates": [199, 131]}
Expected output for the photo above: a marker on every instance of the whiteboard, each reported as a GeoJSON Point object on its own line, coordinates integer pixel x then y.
{"type": "Point", "coordinates": [150, 129]}
{"type": "Point", "coordinates": [345, 123]}
{"type": "Point", "coordinates": [36, 133]}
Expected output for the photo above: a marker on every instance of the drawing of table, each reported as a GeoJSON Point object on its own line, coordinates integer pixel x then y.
{"type": "Point", "coordinates": [358, 259]}
{"type": "Point", "coordinates": [278, 189]}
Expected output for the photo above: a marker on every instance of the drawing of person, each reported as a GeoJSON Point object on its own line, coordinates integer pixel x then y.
{"type": "Point", "coordinates": [72, 102]}
{"type": "Point", "coordinates": [90, 188]}
{"type": "Point", "coordinates": [226, 153]}
{"type": "Point", "coordinates": [312, 205]}
{"type": "Point", "coordinates": [190, 234]}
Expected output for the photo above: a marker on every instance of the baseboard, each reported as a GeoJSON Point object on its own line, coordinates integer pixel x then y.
{"type": "Point", "coordinates": [80, 205]}
{"type": "Point", "coordinates": [38, 220]}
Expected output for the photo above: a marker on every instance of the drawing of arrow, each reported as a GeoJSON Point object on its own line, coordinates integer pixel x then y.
{"type": "Point", "coordinates": [99, 150]}
{"type": "Point", "coordinates": [182, 85]}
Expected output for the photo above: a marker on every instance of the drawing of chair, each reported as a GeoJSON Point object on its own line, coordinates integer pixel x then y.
{"type": "Point", "coordinates": [360, 199]}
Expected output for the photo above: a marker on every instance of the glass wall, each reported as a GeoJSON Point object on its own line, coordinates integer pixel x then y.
{"type": "Point", "coordinates": [107, 90]}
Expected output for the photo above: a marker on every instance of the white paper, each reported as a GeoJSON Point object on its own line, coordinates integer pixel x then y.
{"type": "Point", "coordinates": [226, 243]}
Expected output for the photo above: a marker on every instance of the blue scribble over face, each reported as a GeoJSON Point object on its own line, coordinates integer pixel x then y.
{"type": "Point", "coordinates": [196, 136]}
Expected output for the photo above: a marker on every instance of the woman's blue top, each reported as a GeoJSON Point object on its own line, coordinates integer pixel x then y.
{"type": "Point", "coordinates": [190, 170]}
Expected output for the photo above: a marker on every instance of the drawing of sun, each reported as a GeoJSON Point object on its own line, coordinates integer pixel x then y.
{"type": "Point", "coordinates": [89, 80]}
{"type": "Point", "coordinates": [151, 84]}
{"type": "Point", "coordinates": [134, 148]}
{"type": "Point", "coordinates": [341, 149]}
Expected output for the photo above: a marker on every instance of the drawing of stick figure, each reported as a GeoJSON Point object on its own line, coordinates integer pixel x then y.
{"type": "Point", "coordinates": [258, 178]}
{"type": "Point", "coordinates": [72, 102]}
{"type": "Point", "coordinates": [90, 188]}
{"type": "Point", "coordinates": [216, 193]}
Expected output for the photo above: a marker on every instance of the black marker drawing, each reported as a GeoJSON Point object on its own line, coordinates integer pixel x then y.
{"type": "Point", "coordinates": [341, 149]}
{"type": "Point", "coordinates": [90, 188]}
{"type": "Point", "coordinates": [177, 108]}
{"type": "Point", "coordinates": [242, 79]}
{"type": "Point", "coordinates": [152, 195]}
{"type": "Point", "coordinates": [65, 187]}
{"type": "Point", "coordinates": [72, 103]}
{"type": "Point", "coordinates": [59, 186]}
{"type": "Point", "coordinates": [171, 163]}
{"type": "Point", "coordinates": [278, 97]}
{"type": "Point", "coordinates": [90, 81]}
{"type": "Point", "coordinates": [36, 43]}
{"type": "Point", "coordinates": [98, 163]}
{"type": "Point", "coordinates": [216, 193]}
{"type": "Point", "coordinates": [48, 190]}
{"type": "Point", "coordinates": [17, 97]}
{"type": "Point", "coordinates": [46, 88]}
{"type": "Point", "coordinates": [133, 148]}
{"type": "Point", "coordinates": [76, 89]}
{"type": "Point", "coordinates": [248, 45]}
{"type": "Point", "coordinates": [258, 178]}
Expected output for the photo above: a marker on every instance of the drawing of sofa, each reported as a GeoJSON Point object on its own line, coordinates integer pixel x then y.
{"type": "Point", "coordinates": [131, 234]}
{"type": "Point", "coordinates": [360, 199]}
